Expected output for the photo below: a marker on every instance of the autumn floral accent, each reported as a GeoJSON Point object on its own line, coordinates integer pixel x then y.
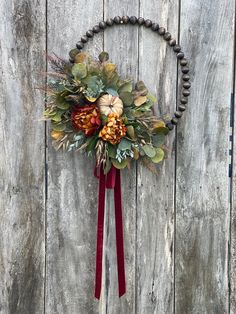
{"type": "Point", "coordinates": [114, 130]}
{"type": "Point", "coordinates": [86, 119]}
{"type": "Point", "coordinates": [92, 109]}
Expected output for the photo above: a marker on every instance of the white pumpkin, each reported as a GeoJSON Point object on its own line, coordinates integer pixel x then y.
{"type": "Point", "coordinates": [110, 104]}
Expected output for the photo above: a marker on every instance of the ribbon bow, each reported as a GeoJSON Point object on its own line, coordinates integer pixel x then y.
{"type": "Point", "coordinates": [110, 181]}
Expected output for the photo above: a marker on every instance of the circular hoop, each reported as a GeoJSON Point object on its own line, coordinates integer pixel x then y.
{"type": "Point", "coordinates": [117, 20]}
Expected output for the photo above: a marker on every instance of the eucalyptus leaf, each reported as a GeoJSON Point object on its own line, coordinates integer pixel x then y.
{"type": "Point", "coordinates": [159, 156]}
{"type": "Point", "coordinates": [158, 139]}
{"type": "Point", "coordinates": [63, 105]}
{"type": "Point", "coordinates": [112, 91]}
{"type": "Point", "coordinates": [162, 130]}
{"type": "Point", "coordinates": [127, 98]}
{"type": "Point", "coordinates": [56, 117]}
{"type": "Point", "coordinates": [79, 71]}
{"type": "Point", "coordinates": [119, 165]}
{"type": "Point", "coordinates": [126, 87]}
{"type": "Point", "coordinates": [58, 126]}
{"type": "Point", "coordinates": [124, 144]}
{"type": "Point", "coordinates": [149, 150]}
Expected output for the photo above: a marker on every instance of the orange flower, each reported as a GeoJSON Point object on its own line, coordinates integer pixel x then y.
{"type": "Point", "coordinates": [114, 130]}
{"type": "Point", "coordinates": [86, 119]}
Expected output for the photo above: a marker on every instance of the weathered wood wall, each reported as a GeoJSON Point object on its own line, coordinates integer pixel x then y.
{"type": "Point", "coordinates": [180, 227]}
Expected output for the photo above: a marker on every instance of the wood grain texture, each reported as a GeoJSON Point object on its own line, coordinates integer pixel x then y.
{"type": "Point", "coordinates": [22, 45]}
{"type": "Point", "coordinates": [202, 187]}
{"type": "Point", "coordinates": [155, 193]}
{"type": "Point", "coordinates": [232, 262]}
{"type": "Point", "coordinates": [122, 44]}
{"type": "Point", "coordinates": [72, 197]}
{"type": "Point", "coordinates": [179, 226]}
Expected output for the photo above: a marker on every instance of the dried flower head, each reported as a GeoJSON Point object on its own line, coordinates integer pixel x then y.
{"type": "Point", "coordinates": [86, 119]}
{"type": "Point", "coordinates": [114, 130]}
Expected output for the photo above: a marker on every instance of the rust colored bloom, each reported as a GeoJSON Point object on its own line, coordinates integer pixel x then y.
{"type": "Point", "coordinates": [114, 130]}
{"type": "Point", "coordinates": [86, 119]}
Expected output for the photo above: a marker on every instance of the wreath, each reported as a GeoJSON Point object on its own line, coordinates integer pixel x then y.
{"type": "Point", "coordinates": [94, 110]}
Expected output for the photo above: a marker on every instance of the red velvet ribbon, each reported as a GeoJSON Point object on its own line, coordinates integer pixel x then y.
{"type": "Point", "coordinates": [110, 181]}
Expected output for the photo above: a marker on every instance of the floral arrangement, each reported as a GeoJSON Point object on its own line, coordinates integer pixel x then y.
{"type": "Point", "coordinates": [92, 109]}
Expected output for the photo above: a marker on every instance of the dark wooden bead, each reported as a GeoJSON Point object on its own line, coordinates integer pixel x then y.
{"type": "Point", "coordinates": [161, 31]}
{"type": "Point", "coordinates": [186, 77]}
{"type": "Point", "coordinates": [170, 126]}
{"type": "Point", "coordinates": [155, 27]}
{"type": "Point", "coordinates": [84, 39]}
{"type": "Point", "coordinates": [177, 48]}
{"type": "Point", "coordinates": [174, 120]}
{"type": "Point", "coordinates": [183, 62]}
{"type": "Point", "coordinates": [167, 36]}
{"type": "Point", "coordinates": [96, 29]}
{"type": "Point", "coordinates": [117, 19]}
{"type": "Point", "coordinates": [186, 92]}
{"type": "Point", "coordinates": [180, 55]}
{"type": "Point", "coordinates": [102, 25]}
{"type": "Point", "coordinates": [185, 69]}
{"type": "Point", "coordinates": [181, 108]}
{"type": "Point", "coordinates": [186, 85]}
{"type": "Point", "coordinates": [178, 114]}
{"type": "Point", "coordinates": [109, 22]}
{"type": "Point", "coordinates": [89, 33]}
{"type": "Point", "coordinates": [148, 23]}
{"type": "Point", "coordinates": [125, 19]}
{"type": "Point", "coordinates": [184, 100]}
{"type": "Point", "coordinates": [80, 45]}
{"type": "Point", "coordinates": [141, 20]}
{"type": "Point", "coordinates": [73, 53]}
{"type": "Point", "coordinates": [133, 19]}
{"type": "Point", "coordinates": [172, 42]}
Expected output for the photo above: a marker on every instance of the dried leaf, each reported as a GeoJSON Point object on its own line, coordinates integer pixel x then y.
{"type": "Point", "coordinates": [140, 100]}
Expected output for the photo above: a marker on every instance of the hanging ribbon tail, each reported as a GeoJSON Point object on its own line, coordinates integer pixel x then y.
{"type": "Point", "coordinates": [111, 181]}
{"type": "Point", "coordinates": [100, 231]}
{"type": "Point", "coordinates": [119, 235]}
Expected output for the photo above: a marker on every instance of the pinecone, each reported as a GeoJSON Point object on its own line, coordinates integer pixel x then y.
{"type": "Point", "coordinates": [114, 130]}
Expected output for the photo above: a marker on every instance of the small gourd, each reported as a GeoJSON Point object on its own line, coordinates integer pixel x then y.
{"type": "Point", "coordinates": [110, 104]}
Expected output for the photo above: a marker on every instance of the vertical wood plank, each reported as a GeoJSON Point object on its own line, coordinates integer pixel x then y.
{"type": "Point", "coordinates": [22, 38]}
{"type": "Point", "coordinates": [202, 187]}
{"type": "Point", "coordinates": [121, 42]}
{"type": "Point", "coordinates": [155, 193]}
{"type": "Point", "coordinates": [232, 264]}
{"type": "Point", "coordinates": [72, 195]}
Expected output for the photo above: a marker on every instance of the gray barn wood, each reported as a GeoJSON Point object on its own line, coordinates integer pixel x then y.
{"type": "Point", "coordinates": [179, 226]}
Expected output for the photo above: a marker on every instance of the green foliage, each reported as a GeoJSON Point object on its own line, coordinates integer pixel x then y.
{"type": "Point", "coordinates": [119, 165]}
{"type": "Point", "coordinates": [80, 85]}
{"type": "Point", "coordinates": [149, 150]}
{"type": "Point", "coordinates": [159, 156]}
{"type": "Point", "coordinates": [79, 71]}
{"type": "Point", "coordinates": [127, 98]}
{"type": "Point", "coordinates": [124, 144]}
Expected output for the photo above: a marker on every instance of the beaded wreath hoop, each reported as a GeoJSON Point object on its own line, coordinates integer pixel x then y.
{"type": "Point", "coordinates": [101, 26]}
{"type": "Point", "coordinates": [92, 109]}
